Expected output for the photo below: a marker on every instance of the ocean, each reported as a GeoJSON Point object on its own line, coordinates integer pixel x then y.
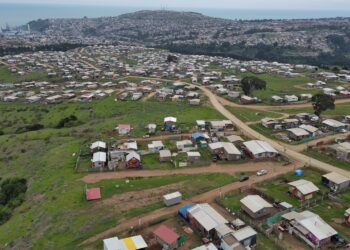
{"type": "Point", "coordinates": [19, 14]}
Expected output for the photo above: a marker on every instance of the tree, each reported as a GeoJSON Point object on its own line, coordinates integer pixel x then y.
{"type": "Point", "coordinates": [250, 83]}
{"type": "Point", "coordinates": [321, 102]}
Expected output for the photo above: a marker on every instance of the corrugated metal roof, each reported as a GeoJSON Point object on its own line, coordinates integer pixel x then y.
{"type": "Point", "coordinates": [244, 233]}
{"type": "Point", "coordinates": [304, 186]}
{"type": "Point", "coordinates": [99, 157]}
{"type": "Point", "coordinates": [255, 203]}
{"type": "Point", "coordinates": [208, 217]}
{"type": "Point", "coordinates": [172, 195]}
{"type": "Point", "coordinates": [258, 147]}
{"type": "Point", "coordinates": [166, 234]}
{"type": "Point", "coordinates": [318, 227]}
{"type": "Point", "coordinates": [336, 178]}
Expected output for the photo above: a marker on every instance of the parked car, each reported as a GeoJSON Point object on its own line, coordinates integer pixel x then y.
{"type": "Point", "coordinates": [243, 178]}
{"type": "Point", "coordinates": [214, 158]}
{"type": "Point", "coordinates": [261, 172]}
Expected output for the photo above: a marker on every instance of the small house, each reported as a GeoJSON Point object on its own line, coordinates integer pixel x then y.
{"type": "Point", "coordinates": [341, 151]}
{"type": "Point", "coordinates": [290, 123]}
{"type": "Point", "coordinates": [276, 99]}
{"type": "Point", "coordinates": [123, 129]}
{"type": "Point", "coordinates": [99, 159]}
{"type": "Point", "coordinates": [135, 242]}
{"type": "Point", "coordinates": [225, 151]}
{"type": "Point", "coordinates": [185, 145]}
{"type": "Point", "coordinates": [200, 124]}
{"type": "Point", "coordinates": [235, 140]}
{"type": "Point", "coordinates": [311, 129]}
{"type": "Point", "coordinates": [302, 189]}
{"type": "Point", "coordinates": [170, 123]}
{"type": "Point", "coordinates": [247, 99]}
{"type": "Point", "coordinates": [164, 155]}
{"type": "Point", "coordinates": [255, 206]}
{"type": "Point", "coordinates": [291, 98]}
{"type": "Point", "coordinates": [166, 237]}
{"type": "Point", "coordinates": [98, 146]}
{"type": "Point", "coordinates": [151, 128]}
{"type": "Point", "coordinates": [193, 156]}
{"type": "Point", "coordinates": [297, 134]}
{"type": "Point", "coordinates": [246, 236]}
{"type": "Point", "coordinates": [133, 160]}
{"type": "Point", "coordinates": [155, 146]}
{"type": "Point", "coordinates": [268, 122]}
{"type": "Point", "coordinates": [313, 228]}
{"type": "Point", "coordinates": [336, 182]}
{"type": "Point", "coordinates": [205, 218]}
{"type": "Point", "coordinates": [259, 149]}
{"type": "Point", "coordinates": [334, 125]}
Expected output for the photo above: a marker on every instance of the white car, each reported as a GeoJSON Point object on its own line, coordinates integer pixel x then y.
{"type": "Point", "coordinates": [261, 172]}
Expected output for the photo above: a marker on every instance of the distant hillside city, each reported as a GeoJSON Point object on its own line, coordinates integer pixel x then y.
{"type": "Point", "coordinates": [319, 42]}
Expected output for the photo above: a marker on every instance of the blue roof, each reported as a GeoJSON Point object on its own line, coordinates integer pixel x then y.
{"type": "Point", "coordinates": [197, 135]}
{"type": "Point", "coordinates": [184, 209]}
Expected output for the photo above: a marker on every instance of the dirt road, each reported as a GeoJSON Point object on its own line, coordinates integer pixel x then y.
{"type": "Point", "coordinates": [226, 102]}
{"type": "Point", "coordinates": [207, 197]}
{"type": "Point", "coordinates": [214, 168]}
{"type": "Point", "coordinates": [283, 148]}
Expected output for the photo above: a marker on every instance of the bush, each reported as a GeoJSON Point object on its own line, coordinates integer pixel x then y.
{"type": "Point", "coordinates": [67, 121]}
{"type": "Point", "coordinates": [5, 214]}
{"type": "Point", "coordinates": [12, 194]}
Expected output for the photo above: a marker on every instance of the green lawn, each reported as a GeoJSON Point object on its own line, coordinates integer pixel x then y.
{"type": "Point", "coordinates": [327, 159]}
{"type": "Point", "coordinates": [249, 115]}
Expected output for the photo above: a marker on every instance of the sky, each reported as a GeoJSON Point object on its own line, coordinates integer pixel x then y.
{"type": "Point", "coordinates": [232, 4]}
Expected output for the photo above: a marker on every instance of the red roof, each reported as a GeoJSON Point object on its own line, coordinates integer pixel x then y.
{"type": "Point", "coordinates": [166, 234]}
{"type": "Point", "coordinates": [125, 126]}
{"type": "Point", "coordinates": [93, 194]}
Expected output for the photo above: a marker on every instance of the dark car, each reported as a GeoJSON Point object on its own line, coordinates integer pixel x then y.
{"type": "Point", "coordinates": [243, 178]}
{"type": "Point", "coordinates": [214, 158]}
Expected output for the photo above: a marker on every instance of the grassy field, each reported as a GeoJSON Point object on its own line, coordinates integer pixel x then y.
{"type": "Point", "coordinates": [7, 76]}
{"type": "Point", "coordinates": [278, 85]}
{"type": "Point", "coordinates": [342, 109]}
{"type": "Point", "coordinates": [55, 214]}
{"type": "Point", "coordinates": [102, 116]}
{"type": "Point", "coordinates": [249, 115]}
{"type": "Point", "coordinates": [327, 159]}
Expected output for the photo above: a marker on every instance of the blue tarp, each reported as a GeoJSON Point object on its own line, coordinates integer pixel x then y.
{"type": "Point", "coordinates": [183, 211]}
{"type": "Point", "coordinates": [197, 136]}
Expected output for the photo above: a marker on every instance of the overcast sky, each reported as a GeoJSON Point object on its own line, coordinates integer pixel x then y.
{"type": "Point", "coordinates": [232, 4]}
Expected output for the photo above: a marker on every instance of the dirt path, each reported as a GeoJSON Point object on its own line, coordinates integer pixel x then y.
{"type": "Point", "coordinates": [208, 197]}
{"type": "Point", "coordinates": [285, 149]}
{"type": "Point", "coordinates": [214, 168]}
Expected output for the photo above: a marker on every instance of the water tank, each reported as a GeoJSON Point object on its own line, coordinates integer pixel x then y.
{"type": "Point", "coordinates": [299, 172]}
